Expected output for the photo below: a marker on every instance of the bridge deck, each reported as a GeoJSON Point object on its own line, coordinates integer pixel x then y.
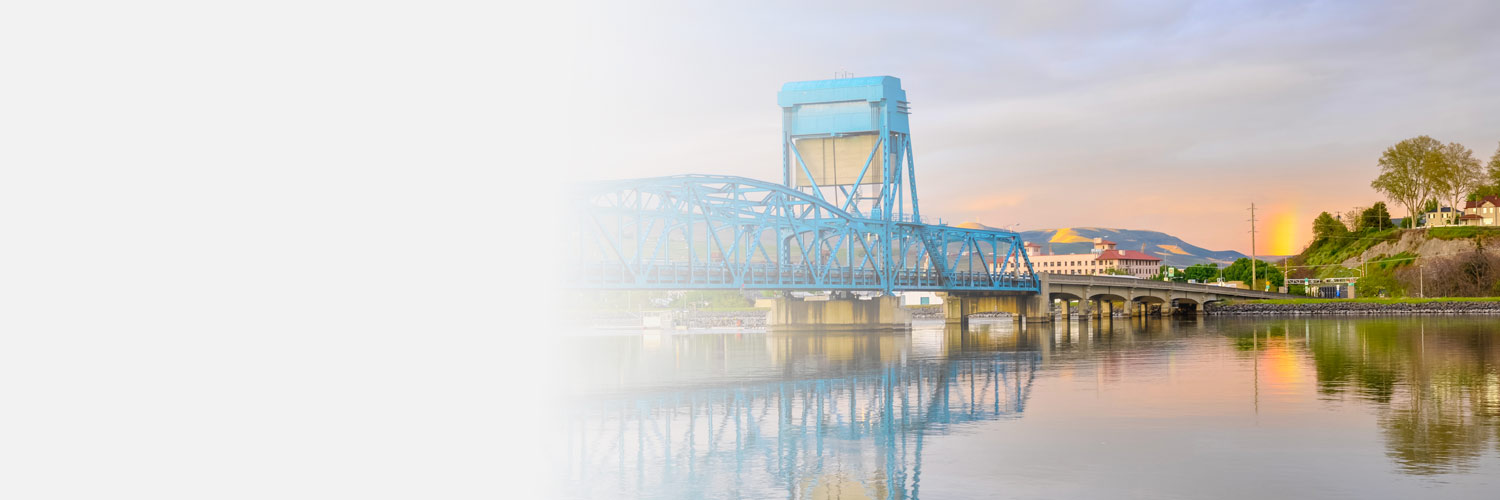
{"type": "Point", "coordinates": [1116, 281]}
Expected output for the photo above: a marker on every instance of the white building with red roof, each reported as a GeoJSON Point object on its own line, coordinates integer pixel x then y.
{"type": "Point", "coordinates": [1103, 257]}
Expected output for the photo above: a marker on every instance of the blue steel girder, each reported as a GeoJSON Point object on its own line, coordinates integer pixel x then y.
{"type": "Point", "coordinates": [724, 232]}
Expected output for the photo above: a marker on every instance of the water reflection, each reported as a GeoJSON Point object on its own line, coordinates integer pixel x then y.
{"type": "Point", "coordinates": [770, 415]}
{"type": "Point", "coordinates": [1434, 383]}
{"type": "Point", "coordinates": [818, 416]}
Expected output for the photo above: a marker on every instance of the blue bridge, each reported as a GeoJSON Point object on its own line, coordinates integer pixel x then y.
{"type": "Point", "coordinates": [845, 216]}
{"type": "Point", "coordinates": [844, 219]}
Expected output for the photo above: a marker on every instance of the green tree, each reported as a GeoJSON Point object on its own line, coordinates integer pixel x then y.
{"type": "Point", "coordinates": [1169, 273]}
{"type": "Point", "coordinates": [1264, 272]}
{"type": "Point", "coordinates": [1375, 218]}
{"type": "Point", "coordinates": [1491, 185]}
{"type": "Point", "coordinates": [1201, 273]}
{"type": "Point", "coordinates": [1458, 174]}
{"type": "Point", "coordinates": [1326, 227]}
{"type": "Point", "coordinates": [1483, 191]}
{"type": "Point", "coordinates": [1493, 171]}
{"type": "Point", "coordinates": [1407, 171]}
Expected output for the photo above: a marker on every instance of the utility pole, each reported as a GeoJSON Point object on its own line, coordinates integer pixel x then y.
{"type": "Point", "coordinates": [1421, 281]}
{"type": "Point", "coordinates": [1252, 245]}
{"type": "Point", "coordinates": [1286, 273]}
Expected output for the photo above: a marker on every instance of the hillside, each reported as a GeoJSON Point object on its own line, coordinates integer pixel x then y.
{"type": "Point", "coordinates": [1170, 249]}
{"type": "Point", "coordinates": [1387, 257]}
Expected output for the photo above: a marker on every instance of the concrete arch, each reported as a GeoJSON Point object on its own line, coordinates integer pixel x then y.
{"type": "Point", "coordinates": [1065, 296]}
{"type": "Point", "coordinates": [1213, 301]}
{"type": "Point", "coordinates": [1108, 297]}
{"type": "Point", "coordinates": [1149, 299]}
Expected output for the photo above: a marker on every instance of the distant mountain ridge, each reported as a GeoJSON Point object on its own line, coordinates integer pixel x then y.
{"type": "Point", "coordinates": [1170, 249]}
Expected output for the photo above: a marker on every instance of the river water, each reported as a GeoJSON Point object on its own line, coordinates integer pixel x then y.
{"type": "Point", "coordinates": [1159, 408]}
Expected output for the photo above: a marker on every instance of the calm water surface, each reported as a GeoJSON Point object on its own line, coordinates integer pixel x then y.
{"type": "Point", "coordinates": [1226, 408]}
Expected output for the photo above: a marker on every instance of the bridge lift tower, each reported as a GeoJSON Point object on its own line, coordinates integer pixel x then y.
{"type": "Point", "coordinates": [845, 218]}
{"type": "Point", "coordinates": [846, 141]}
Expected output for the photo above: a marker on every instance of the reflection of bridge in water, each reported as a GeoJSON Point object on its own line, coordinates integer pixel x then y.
{"type": "Point", "coordinates": [856, 433]}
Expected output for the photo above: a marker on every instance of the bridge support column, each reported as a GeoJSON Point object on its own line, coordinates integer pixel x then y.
{"type": "Point", "coordinates": [1031, 307]}
{"type": "Point", "coordinates": [1039, 305]}
{"type": "Point", "coordinates": [1036, 309]}
{"type": "Point", "coordinates": [836, 314]}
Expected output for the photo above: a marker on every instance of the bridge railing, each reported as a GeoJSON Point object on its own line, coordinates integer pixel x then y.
{"type": "Point", "coordinates": [785, 277]}
{"type": "Point", "coordinates": [696, 232]}
{"type": "Point", "coordinates": [1113, 281]}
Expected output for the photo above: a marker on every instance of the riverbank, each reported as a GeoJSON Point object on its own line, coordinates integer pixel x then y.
{"type": "Point", "coordinates": [1371, 306]}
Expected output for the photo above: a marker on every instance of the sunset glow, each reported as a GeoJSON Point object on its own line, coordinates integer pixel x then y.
{"type": "Point", "coordinates": [1284, 229]}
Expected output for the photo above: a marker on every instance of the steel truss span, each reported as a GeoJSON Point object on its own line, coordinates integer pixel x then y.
{"type": "Point", "coordinates": [724, 232]}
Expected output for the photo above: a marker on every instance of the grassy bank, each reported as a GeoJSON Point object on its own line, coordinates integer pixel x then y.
{"type": "Point", "coordinates": [1371, 300]}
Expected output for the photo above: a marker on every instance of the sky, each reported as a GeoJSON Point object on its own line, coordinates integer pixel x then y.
{"type": "Point", "coordinates": [1171, 116]}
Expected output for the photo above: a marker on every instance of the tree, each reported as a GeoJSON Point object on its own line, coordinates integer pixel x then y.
{"type": "Point", "coordinates": [1482, 191]}
{"type": "Point", "coordinates": [1406, 172]}
{"type": "Point", "coordinates": [1493, 172]}
{"type": "Point", "coordinates": [1201, 272]}
{"type": "Point", "coordinates": [1375, 218]}
{"type": "Point", "coordinates": [1169, 273]}
{"type": "Point", "coordinates": [1351, 218]}
{"type": "Point", "coordinates": [1491, 183]}
{"type": "Point", "coordinates": [1326, 227]}
{"type": "Point", "coordinates": [1264, 272]}
{"type": "Point", "coordinates": [1457, 174]}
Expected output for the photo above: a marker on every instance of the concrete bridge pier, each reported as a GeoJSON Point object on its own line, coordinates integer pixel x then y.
{"type": "Point", "coordinates": [1088, 309]}
{"type": "Point", "coordinates": [838, 313]}
{"type": "Point", "coordinates": [1028, 308]}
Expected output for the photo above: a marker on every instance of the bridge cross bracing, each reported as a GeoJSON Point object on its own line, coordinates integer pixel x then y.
{"type": "Point", "coordinates": [845, 218]}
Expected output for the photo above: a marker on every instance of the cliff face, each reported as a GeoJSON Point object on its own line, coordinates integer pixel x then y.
{"type": "Point", "coordinates": [1425, 243]}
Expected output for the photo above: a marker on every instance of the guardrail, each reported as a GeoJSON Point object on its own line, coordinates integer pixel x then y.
{"type": "Point", "coordinates": [1098, 280]}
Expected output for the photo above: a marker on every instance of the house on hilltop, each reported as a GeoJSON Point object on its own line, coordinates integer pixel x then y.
{"type": "Point", "coordinates": [1481, 212]}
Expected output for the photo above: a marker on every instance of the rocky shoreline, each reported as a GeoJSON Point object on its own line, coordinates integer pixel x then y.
{"type": "Point", "coordinates": [1355, 308]}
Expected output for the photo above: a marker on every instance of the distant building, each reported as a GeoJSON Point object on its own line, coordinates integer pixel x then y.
{"type": "Point", "coordinates": [1481, 212]}
{"type": "Point", "coordinates": [1443, 216]}
{"type": "Point", "coordinates": [1103, 257]}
